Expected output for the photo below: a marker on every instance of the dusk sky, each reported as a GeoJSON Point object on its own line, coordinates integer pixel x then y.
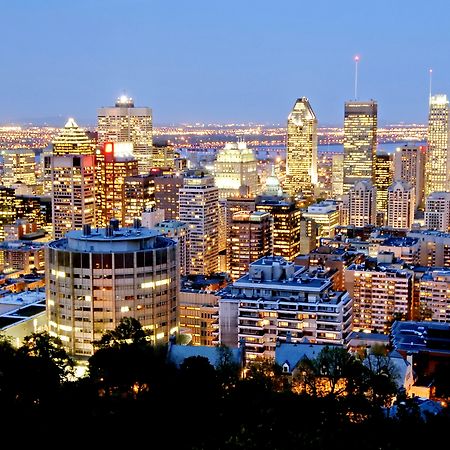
{"type": "Point", "coordinates": [220, 61]}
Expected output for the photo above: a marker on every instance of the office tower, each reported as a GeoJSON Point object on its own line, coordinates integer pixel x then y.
{"type": "Point", "coordinates": [199, 201]}
{"type": "Point", "coordinates": [235, 171]}
{"type": "Point", "coordinates": [35, 209]}
{"type": "Point", "coordinates": [164, 156]}
{"type": "Point", "coordinates": [337, 175]}
{"type": "Point", "coordinates": [72, 140]}
{"type": "Point", "coordinates": [437, 168]}
{"type": "Point", "coordinates": [437, 211]}
{"type": "Point", "coordinates": [139, 196]}
{"type": "Point", "coordinates": [360, 142]}
{"type": "Point", "coordinates": [309, 230]}
{"type": "Point", "coordinates": [250, 238]}
{"type": "Point", "coordinates": [93, 280]}
{"type": "Point", "coordinates": [409, 166]}
{"type": "Point", "coordinates": [114, 163]}
{"type": "Point", "coordinates": [278, 300]}
{"type": "Point", "coordinates": [362, 204]}
{"type": "Point", "coordinates": [434, 295]}
{"type": "Point", "coordinates": [19, 166]}
{"type": "Point", "coordinates": [326, 215]}
{"type": "Point", "coordinates": [381, 294]}
{"type": "Point", "coordinates": [167, 188]}
{"type": "Point", "coordinates": [301, 151]}
{"type": "Point", "coordinates": [400, 205]}
{"type": "Point", "coordinates": [384, 176]}
{"type": "Point", "coordinates": [178, 232]}
{"type": "Point", "coordinates": [73, 192]}
{"type": "Point", "coordinates": [286, 224]}
{"type": "Point", "coordinates": [126, 123]}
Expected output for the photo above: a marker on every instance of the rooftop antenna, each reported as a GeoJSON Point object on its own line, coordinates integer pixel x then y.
{"type": "Point", "coordinates": [430, 74]}
{"type": "Point", "coordinates": [356, 59]}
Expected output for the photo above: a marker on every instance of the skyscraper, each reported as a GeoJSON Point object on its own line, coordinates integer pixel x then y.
{"type": "Point", "coordinates": [250, 238]}
{"type": "Point", "coordinates": [360, 142]}
{"type": "Point", "coordinates": [167, 189]}
{"type": "Point", "coordinates": [73, 192]}
{"type": "Point", "coordinates": [437, 170]}
{"type": "Point", "coordinates": [139, 193]}
{"type": "Point", "coordinates": [18, 167]}
{"type": "Point", "coordinates": [437, 211]}
{"type": "Point", "coordinates": [337, 175]}
{"type": "Point", "coordinates": [126, 123]}
{"type": "Point", "coordinates": [199, 201]}
{"type": "Point", "coordinates": [235, 171]}
{"type": "Point", "coordinates": [72, 140]}
{"type": "Point", "coordinates": [400, 205]}
{"type": "Point", "coordinates": [409, 166]}
{"type": "Point", "coordinates": [114, 163]}
{"type": "Point", "coordinates": [301, 152]}
{"type": "Point", "coordinates": [384, 172]}
{"type": "Point", "coordinates": [362, 204]}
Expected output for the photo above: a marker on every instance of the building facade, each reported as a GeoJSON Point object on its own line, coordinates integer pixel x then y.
{"type": "Point", "coordinates": [401, 203]}
{"type": "Point", "coordinates": [384, 176]}
{"type": "Point", "coordinates": [19, 166]}
{"type": "Point", "coordinates": [94, 279]}
{"type": "Point", "coordinates": [437, 211]}
{"type": "Point", "coordinates": [362, 204]}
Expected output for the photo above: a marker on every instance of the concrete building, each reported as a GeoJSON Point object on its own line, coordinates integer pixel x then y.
{"type": "Point", "coordinates": [360, 142]}
{"type": "Point", "coordinates": [126, 123]}
{"type": "Point", "coordinates": [362, 204]}
{"type": "Point", "coordinates": [22, 256]}
{"type": "Point", "coordinates": [96, 278]}
{"type": "Point", "coordinates": [381, 293]}
{"type": "Point", "coordinates": [437, 211]}
{"type": "Point", "coordinates": [235, 171]}
{"type": "Point", "coordinates": [199, 209]}
{"type": "Point", "coordinates": [139, 191]}
{"type": "Point", "coordinates": [326, 215]}
{"type": "Point", "coordinates": [250, 239]}
{"type": "Point", "coordinates": [435, 295]}
{"type": "Point", "coordinates": [301, 151]}
{"type": "Point", "coordinates": [409, 166]}
{"type": "Point", "coordinates": [180, 233]}
{"type": "Point", "coordinates": [164, 156]}
{"type": "Point", "coordinates": [437, 168]}
{"type": "Point", "coordinates": [401, 203]}
{"type": "Point", "coordinates": [405, 248]}
{"type": "Point", "coordinates": [434, 248]}
{"type": "Point", "coordinates": [115, 162]}
{"type": "Point", "coordinates": [73, 192]}
{"type": "Point", "coordinates": [151, 217]}
{"type": "Point", "coordinates": [278, 300]}
{"type": "Point", "coordinates": [337, 175]}
{"type": "Point", "coordinates": [19, 165]}
{"type": "Point", "coordinates": [167, 192]}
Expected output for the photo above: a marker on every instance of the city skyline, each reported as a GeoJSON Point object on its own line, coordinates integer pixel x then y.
{"type": "Point", "coordinates": [219, 63]}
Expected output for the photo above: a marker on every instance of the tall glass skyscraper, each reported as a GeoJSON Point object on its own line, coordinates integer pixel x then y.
{"type": "Point", "coordinates": [301, 158]}
{"type": "Point", "coordinates": [360, 142]}
{"type": "Point", "coordinates": [126, 123]}
{"type": "Point", "coordinates": [437, 176]}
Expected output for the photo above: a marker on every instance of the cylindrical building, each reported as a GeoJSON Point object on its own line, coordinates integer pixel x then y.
{"type": "Point", "coordinates": [97, 277]}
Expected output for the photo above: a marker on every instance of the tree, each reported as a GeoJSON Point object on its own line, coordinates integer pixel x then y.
{"type": "Point", "coordinates": [128, 331]}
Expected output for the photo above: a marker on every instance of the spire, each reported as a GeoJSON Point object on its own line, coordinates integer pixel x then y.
{"type": "Point", "coordinates": [71, 123]}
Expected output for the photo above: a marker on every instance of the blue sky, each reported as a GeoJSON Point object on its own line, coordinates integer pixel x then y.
{"type": "Point", "coordinates": [220, 61]}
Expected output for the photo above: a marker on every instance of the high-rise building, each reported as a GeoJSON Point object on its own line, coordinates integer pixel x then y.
{"type": "Point", "coordinates": [72, 140]}
{"type": "Point", "coordinates": [301, 151]}
{"type": "Point", "coordinates": [286, 224]}
{"type": "Point", "coordinates": [434, 247]}
{"type": "Point", "coordinates": [437, 169]}
{"type": "Point", "coordinates": [360, 142]}
{"type": "Point", "coordinates": [250, 238]}
{"type": "Point", "coordinates": [409, 166]}
{"type": "Point", "coordinates": [19, 166]}
{"type": "Point", "coordinates": [437, 211]}
{"type": "Point", "coordinates": [235, 171]}
{"type": "Point", "coordinates": [139, 196]}
{"type": "Point", "coordinates": [434, 296]}
{"type": "Point", "coordinates": [384, 176]}
{"type": "Point", "coordinates": [114, 163]}
{"type": "Point", "coordinates": [198, 203]}
{"type": "Point", "coordinates": [381, 294]}
{"type": "Point", "coordinates": [164, 156]}
{"type": "Point", "coordinates": [337, 175]}
{"type": "Point", "coordinates": [277, 300]}
{"type": "Point", "coordinates": [178, 232]}
{"type": "Point", "coordinates": [73, 192]}
{"type": "Point", "coordinates": [326, 215]}
{"type": "Point", "coordinates": [126, 123]}
{"type": "Point", "coordinates": [362, 204]}
{"type": "Point", "coordinates": [94, 279]}
{"type": "Point", "coordinates": [167, 189]}
{"type": "Point", "coordinates": [400, 205]}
